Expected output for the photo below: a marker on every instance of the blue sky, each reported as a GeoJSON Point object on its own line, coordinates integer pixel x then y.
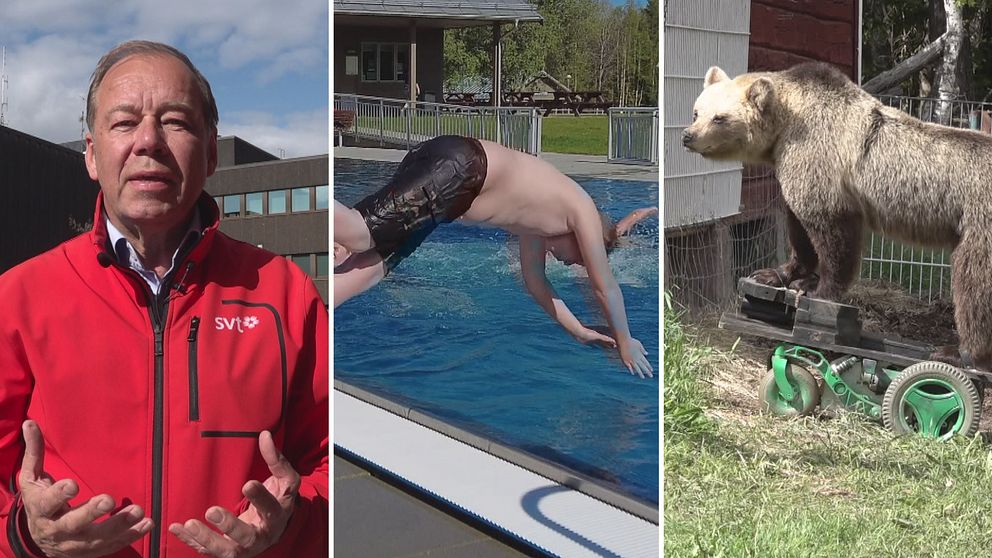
{"type": "Point", "coordinates": [266, 62]}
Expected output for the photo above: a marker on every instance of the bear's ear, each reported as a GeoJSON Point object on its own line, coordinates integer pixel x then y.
{"type": "Point", "coordinates": [761, 92]}
{"type": "Point", "coordinates": [714, 75]}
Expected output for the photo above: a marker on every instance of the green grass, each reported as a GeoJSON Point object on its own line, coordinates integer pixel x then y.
{"type": "Point", "coordinates": [586, 135]}
{"type": "Point", "coordinates": [684, 394]}
{"type": "Point", "coordinates": [768, 487]}
{"type": "Point", "coordinates": [923, 275]}
{"type": "Point", "coordinates": [429, 124]}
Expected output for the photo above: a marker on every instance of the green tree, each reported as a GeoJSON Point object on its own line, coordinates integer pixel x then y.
{"type": "Point", "coordinates": [601, 46]}
{"type": "Point", "coordinates": [895, 29]}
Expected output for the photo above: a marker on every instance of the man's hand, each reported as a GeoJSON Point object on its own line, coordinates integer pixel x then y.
{"type": "Point", "coordinates": [261, 525]}
{"type": "Point", "coordinates": [60, 530]}
{"type": "Point", "coordinates": [634, 357]}
{"type": "Point", "coordinates": [596, 336]}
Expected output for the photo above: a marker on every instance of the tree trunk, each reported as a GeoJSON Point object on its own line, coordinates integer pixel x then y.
{"type": "Point", "coordinates": [926, 56]}
{"type": "Point", "coordinates": [948, 86]}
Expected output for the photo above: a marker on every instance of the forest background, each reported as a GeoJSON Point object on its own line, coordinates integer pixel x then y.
{"type": "Point", "coordinates": [958, 34]}
{"type": "Point", "coordinates": [602, 46]}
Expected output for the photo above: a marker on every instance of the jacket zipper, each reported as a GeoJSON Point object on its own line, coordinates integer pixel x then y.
{"type": "Point", "coordinates": [157, 319]}
{"type": "Point", "coordinates": [194, 381]}
{"type": "Point", "coordinates": [158, 309]}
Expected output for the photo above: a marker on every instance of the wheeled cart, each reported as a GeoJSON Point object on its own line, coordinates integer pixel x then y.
{"type": "Point", "coordinates": [885, 377]}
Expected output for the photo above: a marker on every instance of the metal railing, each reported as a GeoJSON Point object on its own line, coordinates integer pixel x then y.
{"type": "Point", "coordinates": [406, 123]}
{"type": "Point", "coordinates": [633, 134]}
{"type": "Point", "coordinates": [958, 114]}
{"type": "Point", "coordinates": [924, 272]}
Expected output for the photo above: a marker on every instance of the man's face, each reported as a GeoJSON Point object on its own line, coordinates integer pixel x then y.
{"type": "Point", "coordinates": [564, 248]}
{"type": "Point", "coordinates": [150, 148]}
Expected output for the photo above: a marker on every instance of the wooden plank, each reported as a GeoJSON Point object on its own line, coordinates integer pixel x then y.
{"type": "Point", "coordinates": [898, 354]}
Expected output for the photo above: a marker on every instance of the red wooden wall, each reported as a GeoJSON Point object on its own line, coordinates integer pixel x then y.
{"type": "Point", "coordinates": [787, 32]}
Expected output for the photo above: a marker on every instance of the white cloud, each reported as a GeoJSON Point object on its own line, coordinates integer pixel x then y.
{"type": "Point", "coordinates": [47, 81]}
{"type": "Point", "coordinates": [295, 135]}
{"type": "Point", "coordinates": [53, 45]}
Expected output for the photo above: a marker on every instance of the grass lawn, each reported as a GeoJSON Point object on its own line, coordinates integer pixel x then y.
{"type": "Point", "coordinates": [586, 135]}
{"type": "Point", "coordinates": [768, 487]}
{"type": "Point", "coordinates": [929, 271]}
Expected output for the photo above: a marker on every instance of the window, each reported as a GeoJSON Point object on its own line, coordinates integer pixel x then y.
{"type": "Point", "coordinates": [253, 203]}
{"type": "Point", "coordinates": [321, 197]}
{"type": "Point", "coordinates": [303, 261]}
{"type": "Point", "coordinates": [232, 206]}
{"type": "Point", "coordinates": [301, 199]}
{"type": "Point", "coordinates": [277, 202]}
{"type": "Point", "coordinates": [385, 61]}
{"type": "Point", "coordinates": [322, 262]}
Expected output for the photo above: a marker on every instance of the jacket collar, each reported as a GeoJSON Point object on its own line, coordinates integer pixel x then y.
{"type": "Point", "coordinates": [209, 219]}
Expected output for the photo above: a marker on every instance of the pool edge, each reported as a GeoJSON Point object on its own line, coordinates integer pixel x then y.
{"type": "Point", "coordinates": [537, 465]}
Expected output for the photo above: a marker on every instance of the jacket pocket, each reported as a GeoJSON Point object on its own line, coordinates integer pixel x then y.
{"type": "Point", "coordinates": [239, 386]}
{"type": "Point", "coordinates": [194, 380]}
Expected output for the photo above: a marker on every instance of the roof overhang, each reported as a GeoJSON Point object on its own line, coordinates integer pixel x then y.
{"type": "Point", "coordinates": [423, 22]}
{"type": "Point", "coordinates": [442, 14]}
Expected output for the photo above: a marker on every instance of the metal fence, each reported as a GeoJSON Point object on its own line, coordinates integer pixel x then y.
{"type": "Point", "coordinates": [922, 271]}
{"type": "Point", "coordinates": [958, 114]}
{"type": "Point", "coordinates": [633, 134]}
{"type": "Point", "coordinates": [405, 123]}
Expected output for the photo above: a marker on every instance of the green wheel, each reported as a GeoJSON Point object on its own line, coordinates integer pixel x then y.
{"type": "Point", "coordinates": [802, 382]}
{"type": "Point", "coordinates": [932, 399]}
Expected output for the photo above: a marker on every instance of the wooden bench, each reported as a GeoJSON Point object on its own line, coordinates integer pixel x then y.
{"type": "Point", "coordinates": [575, 101]}
{"type": "Point", "coordinates": [344, 120]}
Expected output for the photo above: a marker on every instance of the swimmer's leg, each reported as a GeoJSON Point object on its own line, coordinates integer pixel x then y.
{"type": "Point", "coordinates": [350, 230]}
{"type": "Point", "coordinates": [358, 274]}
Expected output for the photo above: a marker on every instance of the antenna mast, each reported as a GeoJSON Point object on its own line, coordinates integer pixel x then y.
{"type": "Point", "coordinates": [3, 86]}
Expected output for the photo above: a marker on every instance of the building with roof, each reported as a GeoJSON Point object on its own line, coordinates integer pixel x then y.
{"type": "Point", "coordinates": [48, 196]}
{"type": "Point", "coordinates": [381, 48]}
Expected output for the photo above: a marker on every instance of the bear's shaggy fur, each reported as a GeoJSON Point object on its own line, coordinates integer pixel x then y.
{"type": "Point", "coordinates": [845, 161]}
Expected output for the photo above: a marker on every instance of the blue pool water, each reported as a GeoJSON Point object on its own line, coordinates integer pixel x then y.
{"type": "Point", "coordinates": [453, 332]}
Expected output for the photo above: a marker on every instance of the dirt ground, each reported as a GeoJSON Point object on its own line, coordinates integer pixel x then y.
{"type": "Point", "coordinates": [737, 372]}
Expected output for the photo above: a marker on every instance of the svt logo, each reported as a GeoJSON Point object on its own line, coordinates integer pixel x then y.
{"type": "Point", "coordinates": [236, 324]}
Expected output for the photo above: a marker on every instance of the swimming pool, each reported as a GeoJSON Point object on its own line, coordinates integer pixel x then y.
{"type": "Point", "coordinates": [453, 332]}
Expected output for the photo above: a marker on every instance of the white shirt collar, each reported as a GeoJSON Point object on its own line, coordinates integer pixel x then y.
{"type": "Point", "coordinates": [126, 254]}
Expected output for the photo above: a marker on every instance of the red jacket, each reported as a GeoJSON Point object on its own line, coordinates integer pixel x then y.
{"type": "Point", "coordinates": [160, 404]}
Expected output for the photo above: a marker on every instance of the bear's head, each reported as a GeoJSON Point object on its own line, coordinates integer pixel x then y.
{"type": "Point", "coordinates": [730, 117]}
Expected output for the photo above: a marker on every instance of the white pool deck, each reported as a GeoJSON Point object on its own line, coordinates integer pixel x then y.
{"type": "Point", "coordinates": [509, 499]}
{"type": "Point", "coordinates": [594, 166]}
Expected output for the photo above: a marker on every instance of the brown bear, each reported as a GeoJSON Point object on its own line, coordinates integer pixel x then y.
{"type": "Point", "coordinates": [845, 161]}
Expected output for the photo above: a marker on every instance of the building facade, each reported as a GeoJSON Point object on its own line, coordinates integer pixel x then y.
{"type": "Point", "coordinates": [396, 49]}
{"type": "Point", "coordinates": [48, 196]}
{"type": "Point", "coordinates": [280, 205]}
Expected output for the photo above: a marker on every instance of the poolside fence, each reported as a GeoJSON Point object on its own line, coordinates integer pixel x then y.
{"type": "Point", "coordinates": [400, 123]}
{"type": "Point", "coordinates": [633, 135]}
{"type": "Point", "coordinates": [703, 260]}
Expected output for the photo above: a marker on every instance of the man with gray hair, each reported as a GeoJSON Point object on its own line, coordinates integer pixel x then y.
{"type": "Point", "coordinates": [154, 371]}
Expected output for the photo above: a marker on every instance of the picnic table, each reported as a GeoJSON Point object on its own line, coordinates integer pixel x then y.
{"type": "Point", "coordinates": [575, 101]}
{"type": "Point", "coordinates": [344, 119]}
{"type": "Point", "coordinates": [467, 99]}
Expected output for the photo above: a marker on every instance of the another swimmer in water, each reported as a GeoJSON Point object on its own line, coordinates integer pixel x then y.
{"type": "Point", "coordinates": [452, 177]}
{"type": "Point", "coordinates": [624, 225]}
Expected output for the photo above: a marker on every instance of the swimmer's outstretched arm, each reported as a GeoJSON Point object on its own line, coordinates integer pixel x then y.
{"type": "Point", "coordinates": [532, 258]}
{"type": "Point", "coordinates": [588, 230]}
{"type": "Point", "coordinates": [624, 225]}
{"type": "Point", "coordinates": [357, 274]}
